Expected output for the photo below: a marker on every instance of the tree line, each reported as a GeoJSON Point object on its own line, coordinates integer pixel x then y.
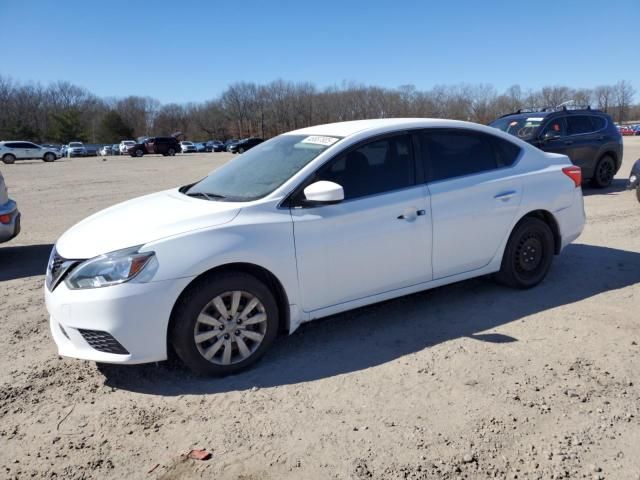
{"type": "Point", "coordinates": [61, 112]}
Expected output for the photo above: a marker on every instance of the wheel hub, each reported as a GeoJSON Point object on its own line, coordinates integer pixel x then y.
{"type": "Point", "coordinates": [529, 254]}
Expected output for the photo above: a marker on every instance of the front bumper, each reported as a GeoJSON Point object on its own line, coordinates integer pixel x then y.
{"type": "Point", "coordinates": [12, 229]}
{"type": "Point", "coordinates": [135, 315]}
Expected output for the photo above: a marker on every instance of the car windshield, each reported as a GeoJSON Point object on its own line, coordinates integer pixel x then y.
{"type": "Point", "coordinates": [262, 169]}
{"type": "Point", "coordinates": [521, 127]}
{"type": "Point", "coordinates": [129, 142]}
{"type": "Point", "coordinates": [75, 144]}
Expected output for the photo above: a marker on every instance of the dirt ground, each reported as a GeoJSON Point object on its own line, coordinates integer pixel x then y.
{"type": "Point", "coordinates": [471, 380]}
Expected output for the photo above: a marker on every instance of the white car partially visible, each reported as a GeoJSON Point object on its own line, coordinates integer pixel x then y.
{"type": "Point", "coordinates": [308, 224]}
{"type": "Point", "coordinates": [10, 151]}
{"type": "Point", "coordinates": [125, 145]}
{"type": "Point", "coordinates": [188, 147]}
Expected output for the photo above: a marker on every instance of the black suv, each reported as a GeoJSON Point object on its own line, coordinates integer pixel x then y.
{"type": "Point", "coordinates": [588, 137]}
{"type": "Point", "coordinates": [164, 145]}
{"type": "Point", "coordinates": [244, 145]}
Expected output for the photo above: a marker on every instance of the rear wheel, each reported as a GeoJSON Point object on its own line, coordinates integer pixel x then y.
{"type": "Point", "coordinates": [528, 255]}
{"type": "Point", "coordinates": [49, 157]}
{"type": "Point", "coordinates": [171, 152]}
{"type": "Point", "coordinates": [225, 324]}
{"type": "Point", "coordinates": [241, 150]}
{"type": "Point", "coordinates": [9, 158]}
{"type": "Point", "coordinates": [139, 152]}
{"type": "Point", "coordinates": [604, 172]}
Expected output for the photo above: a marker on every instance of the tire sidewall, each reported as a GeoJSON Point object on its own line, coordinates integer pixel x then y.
{"type": "Point", "coordinates": [171, 152]}
{"type": "Point", "coordinates": [9, 159]}
{"type": "Point", "coordinates": [49, 157]}
{"type": "Point", "coordinates": [181, 333]}
{"type": "Point", "coordinates": [139, 153]}
{"type": "Point", "coordinates": [596, 178]}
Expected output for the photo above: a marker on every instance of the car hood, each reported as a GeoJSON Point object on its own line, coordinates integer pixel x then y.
{"type": "Point", "coordinates": [140, 221]}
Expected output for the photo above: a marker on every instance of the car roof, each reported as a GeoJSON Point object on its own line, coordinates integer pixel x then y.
{"type": "Point", "coordinates": [346, 129]}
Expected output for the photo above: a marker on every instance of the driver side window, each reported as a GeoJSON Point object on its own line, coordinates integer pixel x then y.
{"type": "Point", "coordinates": [558, 126]}
{"type": "Point", "coordinates": [377, 167]}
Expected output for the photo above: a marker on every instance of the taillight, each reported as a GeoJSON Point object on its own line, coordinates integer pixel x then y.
{"type": "Point", "coordinates": [5, 219]}
{"type": "Point", "coordinates": [574, 173]}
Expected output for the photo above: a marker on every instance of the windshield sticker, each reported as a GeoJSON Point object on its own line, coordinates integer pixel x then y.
{"type": "Point", "coordinates": [535, 119]}
{"type": "Point", "coordinates": [320, 140]}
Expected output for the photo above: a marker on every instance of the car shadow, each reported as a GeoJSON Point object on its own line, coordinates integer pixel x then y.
{"type": "Point", "coordinates": [617, 185]}
{"type": "Point", "coordinates": [23, 261]}
{"type": "Point", "coordinates": [381, 333]}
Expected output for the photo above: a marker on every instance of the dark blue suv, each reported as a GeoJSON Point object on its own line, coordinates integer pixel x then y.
{"type": "Point", "coordinates": [588, 137]}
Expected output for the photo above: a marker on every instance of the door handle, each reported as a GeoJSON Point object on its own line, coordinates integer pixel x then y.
{"type": "Point", "coordinates": [505, 196]}
{"type": "Point", "coordinates": [410, 215]}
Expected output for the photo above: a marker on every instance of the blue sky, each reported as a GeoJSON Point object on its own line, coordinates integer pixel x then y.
{"type": "Point", "coordinates": [190, 51]}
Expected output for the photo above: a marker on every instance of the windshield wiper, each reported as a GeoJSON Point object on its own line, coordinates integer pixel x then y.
{"type": "Point", "coordinates": [208, 196]}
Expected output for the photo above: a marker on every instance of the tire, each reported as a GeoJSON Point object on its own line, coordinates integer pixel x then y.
{"type": "Point", "coordinates": [528, 255]}
{"type": "Point", "coordinates": [241, 150]}
{"type": "Point", "coordinates": [139, 152]}
{"type": "Point", "coordinates": [49, 157]}
{"type": "Point", "coordinates": [243, 348]}
{"type": "Point", "coordinates": [604, 172]}
{"type": "Point", "coordinates": [638, 192]}
{"type": "Point", "coordinates": [171, 152]}
{"type": "Point", "coordinates": [9, 159]}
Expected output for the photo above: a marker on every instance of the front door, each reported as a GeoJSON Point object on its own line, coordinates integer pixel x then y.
{"type": "Point", "coordinates": [377, 240]}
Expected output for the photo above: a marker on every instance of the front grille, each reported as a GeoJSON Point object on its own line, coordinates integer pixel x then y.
{"type": "Point", "coordinates": [103, 341]}
{"type": "Point", "coordinates": [58, 268]}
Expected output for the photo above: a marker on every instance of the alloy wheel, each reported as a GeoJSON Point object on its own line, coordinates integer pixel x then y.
{"type": "Point", "coordinates": [230, 328]}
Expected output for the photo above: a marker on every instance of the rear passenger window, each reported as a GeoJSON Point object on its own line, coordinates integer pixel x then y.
{"type": "Point", "coordinates": [377, 167]}
{"type": "Point", "coordinates": [578, 124]}
{"type": "Point", "coordinates": [451, 153]}
{"type": "Point", "coordinates": [507, 153]}
{"type": "Point", "coordinates": [598, 123]}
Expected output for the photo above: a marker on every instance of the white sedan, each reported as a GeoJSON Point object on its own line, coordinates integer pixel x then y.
{"type": "Point", "coordinates": [125, 145]}
{"type": "Point", "coordinates": [188, 147]}
{"type": "Point", "coordinates": [308, 224]}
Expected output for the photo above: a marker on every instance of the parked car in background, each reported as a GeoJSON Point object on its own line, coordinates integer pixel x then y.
{"type": "Point", "coordinates": [76, 149]}
{"type": "Point", "coordinates": [626, 130]}
{"type": "Point", "coordinates": [11, 151]}
{"type": "Point", "coordinates": [125, 145]}
{"type": "Point", "coordinates": [244, 145]}
{"type": "Point", "coordinates": [216, 145]}
{"type": "Point", "coordinates": [9, 214]}
{"type": "Point", "coordinates": [92, 150]}
{"type": "Point", "coordinates": [634, 179]}
{"type": "Point", "coordinates": [301, 227]}
{"type": "Point", "coordinates": [588, 137]}
{"type": "Point", "coordinates": [201, 147]}
{"type": "Point", "coordinates": [188, 147]}
{"type": "Point", "coordinates": [636, 130]}
{"type": "Point", "coordinates": [115, 149]}
{"type": "Point", "coordinates": [166, 146]}
{"type": "Point", "coordinates": [228, 143]}
{"type": "Point", "coordinates": [105, 150]}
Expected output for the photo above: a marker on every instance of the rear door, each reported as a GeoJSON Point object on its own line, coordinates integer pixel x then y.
{"type": "Point", "coordinates": [583, 146]}
{"type": "Point", "coordinates": [475, 195]}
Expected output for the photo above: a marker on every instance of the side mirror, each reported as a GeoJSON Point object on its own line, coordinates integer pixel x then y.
{"type": "Point", "coordinates": [323, 192]}
{"type": "Point", "coordinates": [550, 135]}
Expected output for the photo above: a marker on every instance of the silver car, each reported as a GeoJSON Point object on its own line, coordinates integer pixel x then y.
{"type": "Point", "coordinates": [9, 215]}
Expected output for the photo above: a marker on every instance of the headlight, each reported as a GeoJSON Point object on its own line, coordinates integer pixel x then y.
{"type": "Point", "coordinates": [114, 268]}
{"type": "Point", "coordinates": [632, 178]}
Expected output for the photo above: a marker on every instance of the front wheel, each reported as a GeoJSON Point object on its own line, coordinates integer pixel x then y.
{"type": "Point", "coordinates": [224, 324]}
{"type": "Point", "coordinates": [171, 152]}
{"type": "Point", "coordinates": [241, 150]}
{"type": "Point", "coordinates": [139, 152]}
{"type": "Point", "coordinates": [528, 255]}
{"type": "Point", "coordinates": [604, 172]}
{"type": "Point", "coordinates": [49, 157]}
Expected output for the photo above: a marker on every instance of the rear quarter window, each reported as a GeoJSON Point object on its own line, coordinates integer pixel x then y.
{"type": "Point", "coordinates": [506, 152]}
{"type": "Point", "coordinates": [598, 123]}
